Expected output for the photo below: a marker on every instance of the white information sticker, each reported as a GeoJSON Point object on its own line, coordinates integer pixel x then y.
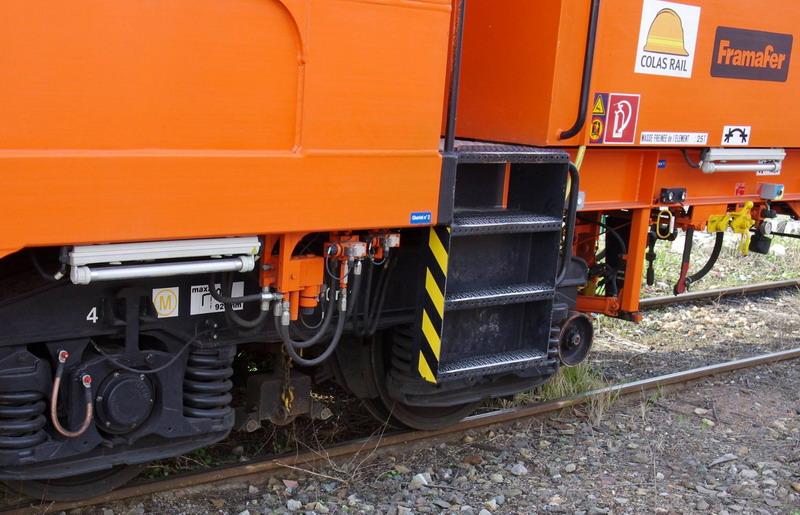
{"type": "Point", "coordinates": [736, 135]}
{"type": "Point", "coordinates": [202, 303]}
{"type": "Point", "coordinates": [673, 138]}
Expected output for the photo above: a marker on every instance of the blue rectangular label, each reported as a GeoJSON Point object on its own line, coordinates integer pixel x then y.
{"type": "Point", "coordinates": [662, 163]}
{"type": "Point", "coordinates": [423, 217]}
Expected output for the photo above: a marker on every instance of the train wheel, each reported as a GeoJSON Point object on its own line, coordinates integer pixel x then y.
{"type": "Point", "coordinates": [396, 413]}
{"type": "Point", "coordinates": [81, 486]}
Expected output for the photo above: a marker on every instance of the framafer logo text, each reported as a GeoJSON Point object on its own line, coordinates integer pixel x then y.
{"type": "Point", "coordinates": [751, 54]}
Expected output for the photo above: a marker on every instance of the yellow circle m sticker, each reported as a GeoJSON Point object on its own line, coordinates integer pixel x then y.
{"type": "Point", "coordinates": [165, 300]}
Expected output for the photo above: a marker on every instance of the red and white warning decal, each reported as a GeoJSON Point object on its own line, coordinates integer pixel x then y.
{"type": "Point", "coordinates": [622, 116]}
{"type": "Point", "coordinates": [598, 123]}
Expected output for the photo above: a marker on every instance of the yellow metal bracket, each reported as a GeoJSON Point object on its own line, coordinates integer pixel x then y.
{"type": "Point", "coordinates": [739, 221]}
{"type": "Point", "coordinates": [665, 215]}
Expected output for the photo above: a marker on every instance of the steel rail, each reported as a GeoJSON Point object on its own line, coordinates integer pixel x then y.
{"type": "Point", "coordinates": [717, 293]}
{"type": "Point", "coordinates": [252, 470]}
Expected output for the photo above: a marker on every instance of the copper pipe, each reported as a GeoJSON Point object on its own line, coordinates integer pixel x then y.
{"type": "Point", "coordinates": [87, 381]}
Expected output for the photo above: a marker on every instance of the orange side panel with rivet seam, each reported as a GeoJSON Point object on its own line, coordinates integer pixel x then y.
{"type": "Point", "coordinates": [161, 119]}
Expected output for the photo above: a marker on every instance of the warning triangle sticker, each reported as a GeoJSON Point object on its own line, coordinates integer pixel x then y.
{"type": "Point", "coordinates": [599, 108]}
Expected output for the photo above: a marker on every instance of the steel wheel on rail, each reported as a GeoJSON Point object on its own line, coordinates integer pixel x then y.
{"type": "Point", "coordinates": [391, 411]}
{"type": "Point", "coordinates": [81, 486]}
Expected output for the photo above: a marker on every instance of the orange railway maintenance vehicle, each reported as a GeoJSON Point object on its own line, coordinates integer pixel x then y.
{"type": "Point", "coordinates": [424, 200]}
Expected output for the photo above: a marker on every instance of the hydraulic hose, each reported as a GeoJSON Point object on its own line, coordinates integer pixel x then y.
{"type": "Point", "coordinates": [374, 306]}
{"type": "Point", "coordinates": [586, 79]}
{"type": "Point", "coordinates": [156, 370]}
{"type": "Point", "coordinates": [688, 160]}
{"type": "Point", "coordinates": [86, 380]}
{"type": "Point", "coordinates": [383, 288]}
{"type": "Point", "coordinates": [321, 332]}
{"type": "Point", "coordinates": [212, 289]}
{"type": "Point", "coordinates": [712, 260]}
{"type": "Point", "coordinates": [612, 278]}
{"type": "Point", "coordinates": [360, 328]}
{"type": "Point", "coordinates": [291, 346]}
{"type": "Point", "coordinates": [611, 231]}
{"type": "Point", "coordinates": [235, 317]}
{"type": "Point", "coordinates": [572, 213]}
{"type": "Point", "coordinates": [283, 331]}
{"type": "Point", "coordinates": [63, 255]}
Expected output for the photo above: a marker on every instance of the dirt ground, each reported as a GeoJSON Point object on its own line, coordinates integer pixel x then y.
{"type": "Point", "coordinates": [680, 337]}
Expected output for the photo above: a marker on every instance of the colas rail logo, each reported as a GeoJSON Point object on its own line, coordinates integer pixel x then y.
{"type": "Point", "coordinates": [666, 34]}
{"type": "Point", "coordinates": [667, 38]}
{"type": "Point", "coordinates": [751, 54]}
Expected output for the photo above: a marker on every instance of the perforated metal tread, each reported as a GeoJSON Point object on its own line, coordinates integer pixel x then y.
{"type": "Point", "coordinates": [468, 223]}
{"type": "Point", "coordinates": [497, 296]}
{"type": "Point", "coordinates": [486, 152]}
{"type": "Point", "coordinates": [503, 362]}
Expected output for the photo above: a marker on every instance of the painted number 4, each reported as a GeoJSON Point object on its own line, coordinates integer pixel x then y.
{"type": "Point", "coordinates": [92, 316]}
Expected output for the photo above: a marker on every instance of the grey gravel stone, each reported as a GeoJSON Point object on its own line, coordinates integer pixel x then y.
{"type": "Point", "coordinates": [441, 503]}
{"type": "Point", "coordinates": [418, 482]}
{"type": "Point", "coordinates": [519, 470]}
{"type": "Point", "coordinates": [705, 491]}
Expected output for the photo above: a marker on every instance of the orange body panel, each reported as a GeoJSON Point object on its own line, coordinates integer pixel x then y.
{"type": "Point", "coordinates": [667, 75]}
{"type": "Point", "coordinates": [527, 60]}
{"type": "Point", "coordinates": [162, 119]}
{"type": "Point", "coordinates": [632, 178]}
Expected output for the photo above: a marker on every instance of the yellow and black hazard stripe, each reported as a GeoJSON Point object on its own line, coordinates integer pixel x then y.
{"type": "Point", "coordinates": [432, 312]}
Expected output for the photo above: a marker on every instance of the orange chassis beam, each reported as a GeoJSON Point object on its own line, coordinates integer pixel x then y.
{"type": "Point", "coordinates": [630, 181]}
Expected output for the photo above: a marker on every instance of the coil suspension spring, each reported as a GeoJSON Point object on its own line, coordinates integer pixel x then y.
{"type": "Point", "coordinates": [206, 384]}
{"type": "Point", "coordinates": [22, 419]}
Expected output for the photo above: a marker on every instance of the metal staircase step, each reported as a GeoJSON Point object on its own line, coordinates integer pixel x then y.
{"type": "Point", "coordinates": [497, 296]}
{"type": "Point", "coordinates": [470, 223]}
{"type": "Point", "coordinates": [487, 152]}
{"type": "Point", "coordinates": [504, 362]}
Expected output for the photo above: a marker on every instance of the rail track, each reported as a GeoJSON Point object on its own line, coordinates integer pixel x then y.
{"type": "Point", "coordinates": [252, 469]}
{"type": "Point", "coordinates": [717, 293]}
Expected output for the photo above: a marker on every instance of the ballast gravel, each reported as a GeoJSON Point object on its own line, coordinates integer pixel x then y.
{"type": "Point", "coordinates": [726, 445]}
